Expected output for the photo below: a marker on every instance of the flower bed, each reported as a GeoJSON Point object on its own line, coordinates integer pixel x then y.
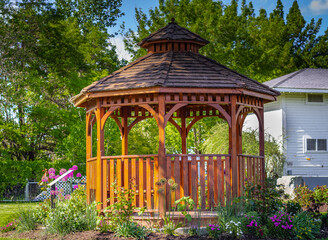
{"type": "Point", "coordinates": [261, 213]}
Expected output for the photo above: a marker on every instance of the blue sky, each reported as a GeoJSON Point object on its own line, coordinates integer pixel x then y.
{"type": "Point", "coordinates": [310, 9]}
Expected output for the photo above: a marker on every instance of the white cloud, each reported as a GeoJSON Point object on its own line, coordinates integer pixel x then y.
{"type": "Point", "coordinates": [318, 6]}
{"type": "Point", "coordinates": [120, 50]}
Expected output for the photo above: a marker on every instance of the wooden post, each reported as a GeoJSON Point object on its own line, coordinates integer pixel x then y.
{"type": "Point", "coordinates": [161, 151]}
{"type": "Point", "coordinates": [261, 144]}
{"type": "Point", "coordinates": [183, 131]}
{"type": "Point", "coordinates": [124, 131]}
{"type": "Point", "coordinates": [233, 147]}
{"type": "Point", "coordinates": [100, 153]}
{"type": "Point", "coordinates": [88, 153]}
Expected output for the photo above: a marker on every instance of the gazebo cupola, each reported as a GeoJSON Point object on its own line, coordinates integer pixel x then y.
{"type": "Point", "coordinates": [173, 38]}
{"type": "Point", "coordinates": [173, 81]}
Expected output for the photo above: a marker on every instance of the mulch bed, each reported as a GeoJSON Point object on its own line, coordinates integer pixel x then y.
{"type": "Point", "coordinates": [94, 235]}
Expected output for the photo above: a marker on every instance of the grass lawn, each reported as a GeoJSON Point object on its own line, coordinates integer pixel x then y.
{"type": "Point", "coordinates": [9, 210]}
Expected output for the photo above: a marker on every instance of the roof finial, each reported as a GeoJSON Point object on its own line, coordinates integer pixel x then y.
{"type": "Point", "coordinates": [172, 20]}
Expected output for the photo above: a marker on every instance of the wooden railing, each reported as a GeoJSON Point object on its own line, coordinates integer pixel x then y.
{"type": "Point", "coordinates": [202, 177]}
{"type": "Point", "coordinates": [250, 169]}
{"type": "Point", "coordinates": [131, 171]}
{"type": "Point", "coordinates": [206, 178]}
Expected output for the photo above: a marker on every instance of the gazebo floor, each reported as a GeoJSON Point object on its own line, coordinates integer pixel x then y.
{"type": "Point", "coordinates": [199, 218]}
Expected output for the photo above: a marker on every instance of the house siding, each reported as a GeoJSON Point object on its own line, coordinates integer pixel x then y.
{"type": "Point", "coordinates": [304, 120]}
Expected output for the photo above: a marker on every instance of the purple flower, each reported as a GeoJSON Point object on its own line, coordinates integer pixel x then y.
{"type": "Point", "coordinates": [52, 170]}
{"type": "Point", "coordinates": [276, 224]}
{"type": "Point", "coordinates": [74, 167]}
{"type": "Point", "coordinates": [212, 228]}
{"type": "Point", "coordinates": [79, 175]}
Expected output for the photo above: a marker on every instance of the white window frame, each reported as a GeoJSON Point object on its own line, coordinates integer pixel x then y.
{"type": "Point", "coordinates": [316, 146]}
{"type": "Point", "coordinates": [315, 103]}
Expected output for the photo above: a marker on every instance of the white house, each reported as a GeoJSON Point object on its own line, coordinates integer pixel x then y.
{"type": "Point", "coordinates": [299, 117]}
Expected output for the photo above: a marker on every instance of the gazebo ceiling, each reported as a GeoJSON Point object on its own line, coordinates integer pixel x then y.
{"type": "Point", "coordinates": [172, 64]}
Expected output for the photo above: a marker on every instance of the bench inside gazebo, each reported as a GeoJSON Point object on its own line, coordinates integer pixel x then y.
{"type": "Point", "coordinates": [173, 81]}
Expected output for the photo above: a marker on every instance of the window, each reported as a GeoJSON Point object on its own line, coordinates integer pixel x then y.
{"type": "Point", "coordinates": [316, 145]}
{"type": "Point", "coordinates": [314, 98]}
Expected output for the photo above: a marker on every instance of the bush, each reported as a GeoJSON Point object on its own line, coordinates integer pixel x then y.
{"type": "Point", "coordinates": [213, 230]}
{"type": "Point", "coordinates": [71, 215]}
{"type": "Point", "coordinates": [27, 220]}
{"type": "Point", "coordinates": [293, 207]}
{"type": "Point", "coordinates": [305, 226]}
{"type": "Point", "coordinates": [280, 226]}
{"type": "Point", "coordinates": [131, 229]}
{"type": "Point", "coordinates": [9, 227]}
{"type": "Point", "coordinates": [250, 225]}
{"type": "Point", "coordinates": [310, 200]}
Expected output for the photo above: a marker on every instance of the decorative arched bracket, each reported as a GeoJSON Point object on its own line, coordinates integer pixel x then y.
{"type": "Point", "coordinates": [173, 110]}
{"type": "Point", "coordinates": [151, 110]}
{"type": "Point", "coordinates": [119, 124]}
{"type": "Point", "coordinates": [138, 119]}
{"type": "Point", "coordinates": [107, 114]}
{"type": "Point", "coordinates": [222, 111]}
{"type": "Point", "coordinates": [195, 120]}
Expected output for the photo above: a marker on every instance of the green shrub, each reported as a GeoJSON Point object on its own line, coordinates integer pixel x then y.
{"type": "Point", "coordinates": [305, 226]}
{"type": "Point", "coordinates": [27, 220]}
{"type": "Point", "coordinates": [280, 226]}
{"type": "Point", "coordinates": [131, 229]}
{"type": "Point", "coordinates": [251, 225]}
{"type": "Point", "coordinates": [312, 200]}
{"type": "Point", "coordinates": [293, 207]}
{"type": "Point", "coordinates": [71, 215]}
{"type": "Point", "coordinates": [214, 230]}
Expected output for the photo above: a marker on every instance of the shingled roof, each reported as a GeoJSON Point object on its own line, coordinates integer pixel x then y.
{"type": "Point", "coordinates": [174, 32]}
{"type": "Point", "coordinates": [176, 69]}
{"type": "Point", "coordinates": [308, 78]}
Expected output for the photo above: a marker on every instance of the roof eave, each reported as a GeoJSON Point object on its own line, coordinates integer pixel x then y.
{"type": "Point", "coordinates": [301, 90]}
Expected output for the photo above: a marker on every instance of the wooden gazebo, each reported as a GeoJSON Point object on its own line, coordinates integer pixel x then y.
{"type": "Point", "coordinates": [173, 81]}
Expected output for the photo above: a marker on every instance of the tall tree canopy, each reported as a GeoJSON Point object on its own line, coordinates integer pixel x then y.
{"type": "Point", "coordinates": [50, 50]}
{"type": "Point", "coordinates": [262, 46]}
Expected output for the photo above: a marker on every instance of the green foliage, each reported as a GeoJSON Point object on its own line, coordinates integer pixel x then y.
{"type": "Point", "coordinates": [71, 215]}
{"type": "Point", "coordinates": [131, 229]}
{"type": "Point", "coordinates": [217, 141]}
{"type": "Point", "coordinates": [49, 50]}
{"type": "Point", "coordinates": [262, 46]}
{"type": "Point", "coordinates": [26, 220]}
{"type": "Point", "coordinates": [264, 200]}
{"type": "Point", "coordinates": [122, 209]}
{"type": "Point", "coordinates": [213, 230]}
{"type": "Point", "coordinates": [312, 200]}
{"type": "Point", "coordinates": [183, 204]}
{"type": "Point", "coordinates": [293, 207]}
{"type": "Point", "coordinates": [280, 226]}
{"type": "Point", "coordinates": [305, 226]}
{"type": "Point", "coordinates": [170, 225]}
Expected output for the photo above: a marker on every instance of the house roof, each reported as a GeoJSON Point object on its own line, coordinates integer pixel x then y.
{"type": "Point", "coordinates": [174, 32]}
{"type": "Point", "coordinates": [304, 79]}
{"type": "Point", "coordinates": [176, 69]}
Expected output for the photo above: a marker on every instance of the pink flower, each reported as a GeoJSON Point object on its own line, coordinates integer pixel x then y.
{"type": "Point", "coordinates": [62, 171]}
{"type": "Point", "coordinates": [52, 170]}
{"type": "Point", "coordinates": [67, 196]}
{"type": "Point", "coordinates": [74, 167]}
{"type": "Point", "coordinates": [78, 175]}
{"type": "Point", "coordinates": [44, 179]}
{"type": "Point", "coordinates": [52, 192]}
{"type": "Point", "coordinates": [57, 176]}
{"type": "Point", "coordinates": [76, 186]}
{"type": "Point", "coordinates": [52, 175]}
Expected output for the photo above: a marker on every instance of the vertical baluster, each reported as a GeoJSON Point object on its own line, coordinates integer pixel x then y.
{"type": "Point", "coordinates": [194, 179]}
{"type": "Point", "coordinates": [111, 180]}
{"type": "Point", "coordinates": [228, 179]}
{"type": "Point", "coordinates": [185, 175]}
{"type": "Point", "coordinates": [210, 180]}
{"type": "Point", "coordinates": [133, 180]}
{"type": "Point", "coordinates": [177, 176]}
{"type": "Point", "coordinates": [220, 180]}
{"type": "Point", "coordinates": [215, 180]}
{"type": "Point", "coordinates": [126, 173]}
{"type": "Point", "coordinates": [148, 183]}
{"type": "Point", "coordinates": [141, 182]}
{"type": "Point", "coordinates": [202, 182]}
{"type": "Point", "coordinates": [168, 176]}
{"type": "Point", "coordinates": [105, 183]}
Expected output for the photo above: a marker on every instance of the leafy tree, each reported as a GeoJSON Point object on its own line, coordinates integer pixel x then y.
{"type": "Point", "coordinates": [262, 46]}
{"type": "Point", "coordinates": [49, 50]}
